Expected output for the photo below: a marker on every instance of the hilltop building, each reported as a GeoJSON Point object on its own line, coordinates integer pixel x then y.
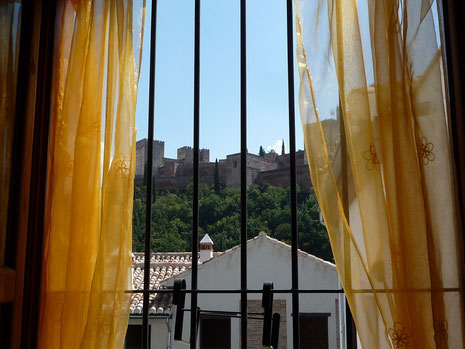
{"type": "Point", "coordinates": [271, 168]}
{"type": "Point", "coordinates": [142, 153]}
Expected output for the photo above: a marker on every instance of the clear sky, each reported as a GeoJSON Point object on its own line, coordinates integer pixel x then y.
{"type": "Point", "coordinates": [267, 103]}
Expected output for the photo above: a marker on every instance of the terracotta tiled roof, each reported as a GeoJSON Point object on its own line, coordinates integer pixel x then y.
{"type": "Point", "coordinates": [162, 266]}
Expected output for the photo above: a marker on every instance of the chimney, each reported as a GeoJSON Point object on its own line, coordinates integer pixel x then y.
{"type": "Point", "coordinates": [206, 249]}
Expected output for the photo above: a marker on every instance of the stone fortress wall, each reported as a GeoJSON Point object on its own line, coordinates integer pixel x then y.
{"type": "Point", "coordinates": [141, 156]}
{"type": "Point", "coordinates": [273, 169]}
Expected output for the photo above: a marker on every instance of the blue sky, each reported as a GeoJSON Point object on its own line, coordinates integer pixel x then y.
{"type": "Point", "coordinates": [267, 102]}
{"type": "Point", "coordinates": [220, 76]}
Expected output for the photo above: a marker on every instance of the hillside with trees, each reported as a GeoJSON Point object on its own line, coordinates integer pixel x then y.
{"type": "Point", "coordinates": [219, 216]}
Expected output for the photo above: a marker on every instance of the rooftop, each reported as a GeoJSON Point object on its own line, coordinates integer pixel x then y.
{"type": "Point", "coordinates": [165, 265]}
{"type": "Point", "coordinates": [162, 266]}
{"type": "Point", "coordinates": [206, 240]}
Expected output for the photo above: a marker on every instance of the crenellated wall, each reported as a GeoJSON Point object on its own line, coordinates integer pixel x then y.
{"type": "Point", "coordinates": [270, 169]}
{"type": "Point", "coordinates": [142, 152]}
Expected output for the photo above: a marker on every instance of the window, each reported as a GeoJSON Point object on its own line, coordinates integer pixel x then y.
{"type": "Point", "coordinates": [452, 13]}
{"type": "Point", "coordinates": [134, 337]}
{"type": "Point", "coordinates": [215, 332]}
{"type": "Point", "coordinates": [247, 327]}
{"type": "Point", "coordinates": [255, 327]}
{"type": "Point", "coordinates": [314, 330]}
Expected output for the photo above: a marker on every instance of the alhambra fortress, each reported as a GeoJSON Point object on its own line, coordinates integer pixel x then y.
{"type": "Point", "coordinates": [271, 168]}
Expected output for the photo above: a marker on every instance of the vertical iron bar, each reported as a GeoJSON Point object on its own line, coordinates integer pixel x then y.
{"type": "Point", "coordinates": [195, 193]}
{"type": "Point", "coordinates": [243, 176]}
{"type": "Point", "coordinates": [149, 179]}
{"type": "Point", "coordinates": [294, 237]}
{"type": "Point", "coordinates": [351, 336]}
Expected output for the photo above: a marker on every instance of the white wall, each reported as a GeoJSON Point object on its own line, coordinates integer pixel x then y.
{"type": "Point", "coordinates": [267, 261]}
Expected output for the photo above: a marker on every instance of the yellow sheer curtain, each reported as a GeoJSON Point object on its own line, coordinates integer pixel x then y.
{"type": "Point", "coordinates": [10, 18]}
{"type": "Point", "coordinates": [87, 252]}
{"type": "Point", "coordinates": [395, 237]}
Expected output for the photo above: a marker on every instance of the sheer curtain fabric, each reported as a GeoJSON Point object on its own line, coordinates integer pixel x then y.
{"type": "Point", "coordinates": [88, 238]}
{"type": "Point", "coordinates": [391, 216]}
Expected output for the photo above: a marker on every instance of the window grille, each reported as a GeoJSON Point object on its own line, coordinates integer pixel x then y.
{"type": "Point", "coordinates": [243, 291]}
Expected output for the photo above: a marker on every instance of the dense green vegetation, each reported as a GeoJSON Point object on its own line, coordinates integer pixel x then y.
{"type": "Point", "coordinates": [219, 216]}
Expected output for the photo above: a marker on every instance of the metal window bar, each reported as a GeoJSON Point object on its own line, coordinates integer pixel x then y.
{"type": "Point", "coordinates": [195, 191]}
{"type": "Point", "coordinates": [149, 180]}
{"type": "Point", "coordinates": [351, 336]}
{"type": "Point", "coordinates": [243, 272]}
{"type": "Point", "coordinates": [295, 291]}
{"type": "Point", "coordinates": [292, 168]}
{"type": "Point", "coordinates": [305, 291]}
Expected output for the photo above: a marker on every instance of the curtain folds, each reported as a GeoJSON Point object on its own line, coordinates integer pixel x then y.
{"type": "Point", "coordinates": [88, 237]}
{"type": "Point", "coordinates": [391, 216]}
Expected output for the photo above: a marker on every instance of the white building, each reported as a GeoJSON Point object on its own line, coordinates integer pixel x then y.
{"type": "Point", "coordinates": [322, 315]}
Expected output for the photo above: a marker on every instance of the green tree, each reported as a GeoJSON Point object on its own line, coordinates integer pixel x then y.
{"type": "Point", "coordinates": [219, 216]}
{"type": "Point", "coordinates": [261, 152]}
{"type": "Point", "coordinates": [313, 237]}
{"type": "Point", "coordinates": [283, 149]}
{"type": "Point", "coordinates": [283, 232]}
{"type": "Point", "coordinates": [154, 189]}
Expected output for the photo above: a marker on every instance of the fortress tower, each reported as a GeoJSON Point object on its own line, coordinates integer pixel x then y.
{"type": "Point", "coordinates": [141, 155]}
{"type": "Point", "coordinates": [186, 154]}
